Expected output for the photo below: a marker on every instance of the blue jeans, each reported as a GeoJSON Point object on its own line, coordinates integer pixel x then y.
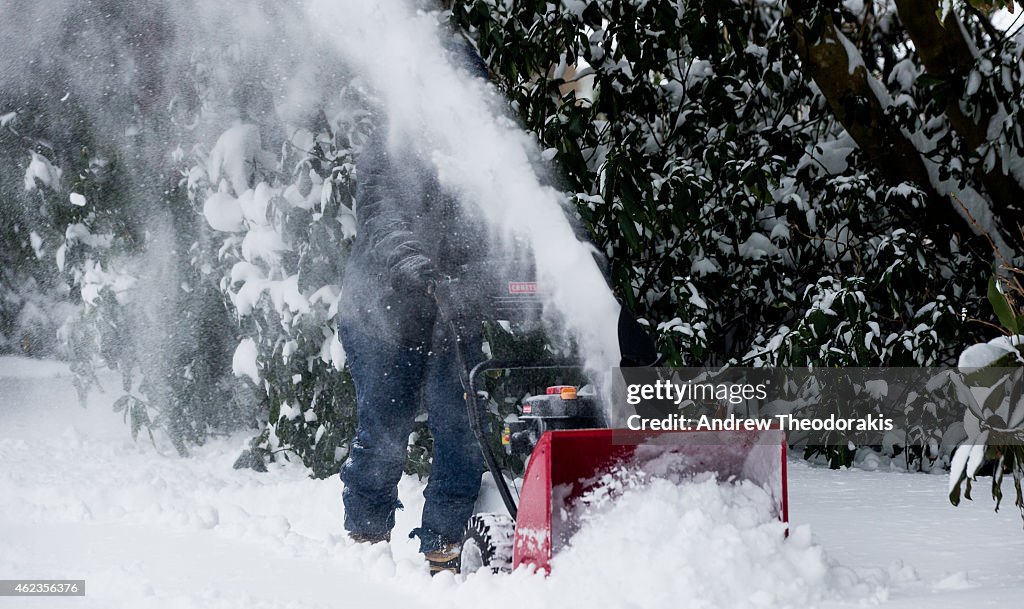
{"type": "Point", "coordinates": [390, 382]}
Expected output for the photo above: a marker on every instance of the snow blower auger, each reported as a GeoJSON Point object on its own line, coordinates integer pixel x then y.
{"type": "Point", "coordinates": [562, 437]}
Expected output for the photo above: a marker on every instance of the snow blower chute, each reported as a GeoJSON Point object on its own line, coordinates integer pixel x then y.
{"type": "Point", "coordinates": [561, 435]}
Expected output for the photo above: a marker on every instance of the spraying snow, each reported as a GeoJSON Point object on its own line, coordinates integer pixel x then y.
{"type": "Point", "coordinates": [676, 536]}
{"type": "Point", "coordinates": [481, 155]}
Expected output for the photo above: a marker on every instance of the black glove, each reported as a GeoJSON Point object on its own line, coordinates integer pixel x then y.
{"type": "Point", "coordinates": [413, 272]}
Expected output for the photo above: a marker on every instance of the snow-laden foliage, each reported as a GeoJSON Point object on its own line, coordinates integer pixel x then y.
{"type": "Point", "coordinates": [100, 144]}
{"type": "Point", "coordinates": [992, 388]}
{"type": "Point", "coordinates": [176, 191]}
{"type": "Point", "coordinates": [728, 197]}
{"type": "Point", "coordinates": [284, 222]}
{"type": "Point", "coordinates": [744, 217]}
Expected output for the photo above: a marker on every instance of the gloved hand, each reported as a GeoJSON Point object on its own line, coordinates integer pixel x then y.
{"type": "Point", "coordinates": [413, 272]}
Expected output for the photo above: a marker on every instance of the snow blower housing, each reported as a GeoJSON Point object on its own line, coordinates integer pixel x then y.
{"type": "Point", "coordinates": [561, 433]}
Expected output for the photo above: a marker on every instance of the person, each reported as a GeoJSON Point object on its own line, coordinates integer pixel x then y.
{"type": "Point", "coordinates": [410, 233]}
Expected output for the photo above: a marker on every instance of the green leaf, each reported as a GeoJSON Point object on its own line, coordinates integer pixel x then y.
{"type": "Point", "coordinates": [1016, 487]}
{"type": "Point", "coordinates": [629, 231]}
{"type": "Point", "coordinates": [121, 403]}
{"type": "Point", "coordinates": [954, 494]}
{"type": "Point", "coordinates": [1001, 306]}
{"type": "Point", "coordinates": [928, 80]}
{"type": "Point", "coordinates": [997, 482]}
{"type": "Point", "coordinates": [136, 424]}
{"type": "Point", "coordinates": [774, 81]}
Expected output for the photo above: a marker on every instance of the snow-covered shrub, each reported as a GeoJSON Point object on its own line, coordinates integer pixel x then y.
{"type": "Point", "coordinates": [115, 227]}
{"type": "Point", "coordinates": [730, 199]}
{"type": "Point", "coordinates": [99, 139]}
{"type": "Point", "coordinates": [269, 175]}
{"type": "Point", "coordinates": [992, 389]}
{"type": "Point", "coordinates": [285, 223]}
{"type": "Point", "coordinates": [33, 300]}
{"type": "Point", "coordinates": [745, 205]}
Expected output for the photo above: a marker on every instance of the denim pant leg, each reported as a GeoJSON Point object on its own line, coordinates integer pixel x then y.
{"type": "Point", "coordinates": [454, 482]}
{"type": "Point", "coordinates": [387, 379]}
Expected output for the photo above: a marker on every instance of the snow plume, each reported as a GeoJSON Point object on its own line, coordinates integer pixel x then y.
{"type": "Point", "coordinates": [481, 155]}
{"type": "Point", "coordinates": [168, 85]}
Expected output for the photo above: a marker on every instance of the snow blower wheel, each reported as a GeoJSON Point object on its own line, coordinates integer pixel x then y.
{"type": "Point", "coordinates": [488, 544]}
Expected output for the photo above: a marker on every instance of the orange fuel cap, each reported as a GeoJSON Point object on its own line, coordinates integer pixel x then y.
{"type": "Point", "coordinates": [566, 392]}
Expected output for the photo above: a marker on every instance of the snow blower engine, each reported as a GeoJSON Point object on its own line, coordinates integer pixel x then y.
{"type": "Point", "coordinates": [560, 407]}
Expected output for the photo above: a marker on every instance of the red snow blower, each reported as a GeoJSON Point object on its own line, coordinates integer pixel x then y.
{"type": "Point", "coordinates": [562, 437]}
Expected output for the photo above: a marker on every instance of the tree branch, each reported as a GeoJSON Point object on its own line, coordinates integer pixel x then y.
{"type": "Point", "coordinates": [844, 82]}
{"type": "Point", "coordinates": [946, 55]}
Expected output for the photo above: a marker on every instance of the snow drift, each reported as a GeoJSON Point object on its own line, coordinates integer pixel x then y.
{"type": "Point", "coordinates": [659, 541]}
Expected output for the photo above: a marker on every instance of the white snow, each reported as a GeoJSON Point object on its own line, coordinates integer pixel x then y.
{"type": "Point", "coordinates": [60, 256]}
{"type": "Point", "coordinates": [243, 363]}
{"type": "Point", "coordinates": [95, 278]}
{"type": "Point", "coordinates": [37, 244]}
{"type": "Point", "coordinates": [77, 199]}
{"type": "Point", "coordinates": [263, 243]}
{"type": "Point", "coordinates": [852, 54]}
{"type": "Point", "coordinates": [246, 271]}
{"type": "Point", "coordinates": [235, 155]}
{"type": "Point", "coordinates": [223, 212]}
{"type": "Point", "coordinates": [40, 168]}
{"type": "Point", "coordinates": [254, 203]}
{"type": "Point", "coordinates": [80, 233]}
{"type": "Point", "coordinates": [758, 246]}
{"type": "Point", "coordinates": [703, 266]}
{"type": "Point", "coordinates": [285, 295]}
{"type": "Point", "coordinates": [246, 298]}
{"type": "Point", "coordinates": [983, 354]}
{"type": "Point", "coordinates": [715, 541]}
{"type": "Point", "coordinates": [977, 455]}
{"type": "Point", "coordinates": [16, 367]}
{"type": "Point", "coordinates": [336, 352]}
{"type": "Point", "coordinates": [147, 529]}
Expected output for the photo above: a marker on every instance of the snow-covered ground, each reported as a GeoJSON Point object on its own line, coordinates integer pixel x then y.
{"type": "Point", "coordinates": [145, 528]}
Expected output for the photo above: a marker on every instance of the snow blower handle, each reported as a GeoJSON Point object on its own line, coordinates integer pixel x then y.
{"type": "Point", "coordinates": [463, 302]}
{"type": "Point", "coordinates": [453, 312]}
{"type": "Point", "coordinates": [451, 308]}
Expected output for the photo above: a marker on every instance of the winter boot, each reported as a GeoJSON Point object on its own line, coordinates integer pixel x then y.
{"type": "Point", "coordinates": [445, 558]}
